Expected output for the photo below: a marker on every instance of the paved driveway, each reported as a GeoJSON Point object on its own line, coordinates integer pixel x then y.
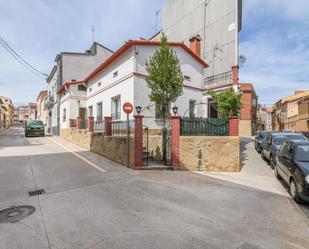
{"type": "Point", "coordinates": [91, 202]}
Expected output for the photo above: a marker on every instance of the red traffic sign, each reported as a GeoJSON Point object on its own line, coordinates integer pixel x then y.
{"type": "Point", "coordinates": [127, 108]}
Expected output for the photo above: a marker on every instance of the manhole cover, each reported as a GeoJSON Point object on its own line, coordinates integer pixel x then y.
{"type": "Point", "coordinates": [14, 214]}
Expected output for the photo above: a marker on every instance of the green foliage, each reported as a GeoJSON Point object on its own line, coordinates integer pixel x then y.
{"type": "Point", "coordinates": [165, 78]}
{"type": "Point", "coordinates": [228, 102]}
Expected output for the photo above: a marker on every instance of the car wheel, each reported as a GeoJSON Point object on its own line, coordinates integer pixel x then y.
{"type": "Point", "coordinates": [272, 162]}
{"type": "Point", "coordinates": [262, 155]}
{"type": "Point", "coordinates": [276, 173]}
{"type": "Point", "coordinates": [294, 191]}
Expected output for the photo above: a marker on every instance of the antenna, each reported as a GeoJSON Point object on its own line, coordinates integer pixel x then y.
{"type": "Point", "coordinates": [157, 14]}
{"type": "Point", "coordinates": [92, 30]}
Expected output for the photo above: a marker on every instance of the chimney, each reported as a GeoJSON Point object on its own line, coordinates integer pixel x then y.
{"type": "Point", "coordinates": [235, 78]}
{"type": "Point", "coordinates": [195, 45]}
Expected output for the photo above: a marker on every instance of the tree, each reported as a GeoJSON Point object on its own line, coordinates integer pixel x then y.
{"type": "Point", "coordinates": [228, 102]}
{"type": "Point", "coordinates": [165, 80]}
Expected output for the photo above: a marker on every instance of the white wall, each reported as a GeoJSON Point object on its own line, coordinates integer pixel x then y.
{"type": "Point", "coordinates": [188, 64]}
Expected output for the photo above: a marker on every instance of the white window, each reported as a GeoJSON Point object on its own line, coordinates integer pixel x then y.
{"type": "Point", "coordinates": [99, 111]}
{"type": "Point", "coordinates": [90, 111]}
{"type": "Point", "coordinates": [192, 105]}
{"type": "Point", "coordinates": [187, 78]}
{"type": "Point", "coordinates": [64, 115]}
{"type": "Point", "coordinates": [90, 89]}
{"type": "Point", "coordinates": [116, 107]}
{"type": "Point", "coordinates": [99, 84]}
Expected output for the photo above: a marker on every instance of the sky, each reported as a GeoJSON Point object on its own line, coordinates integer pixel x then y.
{"type": "Point", "coordinates": [274, 39]}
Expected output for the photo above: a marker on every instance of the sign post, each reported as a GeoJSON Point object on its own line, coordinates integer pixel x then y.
{"type": "Point", "coordinates": [128, 108]}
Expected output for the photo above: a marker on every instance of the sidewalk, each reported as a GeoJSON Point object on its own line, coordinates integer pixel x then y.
{"type": "Point", "coordinates": [255, 172]}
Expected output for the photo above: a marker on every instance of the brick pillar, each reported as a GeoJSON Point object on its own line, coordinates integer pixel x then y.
{"type": "Point", "coordinates": [175, 142]}
{"type": "Point", "coordinates": [90, 124]}
{"type": "Point", "coordinates": [235, 70]}
{"type": "Point", "coordinates": [78, 123]}
{"type": "Point", "coordinates": [234, 126]}
{"type": "Point", "coordinates": [107, 126]}
{"type": "Point", "coordinates": [138, 143]}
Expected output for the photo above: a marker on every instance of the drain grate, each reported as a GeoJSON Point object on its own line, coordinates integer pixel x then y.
{"type": "Point", "coordinates": [37, 192]}
{"type": "Point", "coordinates": [14, 214]}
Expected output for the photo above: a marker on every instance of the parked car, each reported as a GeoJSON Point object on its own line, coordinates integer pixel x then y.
{"type": "Point", "coordinates": [293, 168]}
{"type": "Point", "coordinates": [306, 134]}
{"type": "Point", "coordinates": [272, 143]}
{"type": "Point", "coordinates": [259, 139]}
{"type": "Point", "coordinates": [34, 128]}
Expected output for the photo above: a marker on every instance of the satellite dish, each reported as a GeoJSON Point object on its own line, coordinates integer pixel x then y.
{"type": "Point", "coordinates": [241, 60]}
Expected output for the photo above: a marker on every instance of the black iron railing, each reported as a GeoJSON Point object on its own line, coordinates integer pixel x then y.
{"type": "Point", "coordinates": [119, 128]}
{"type": "Point", "coordinates": [98, 126]}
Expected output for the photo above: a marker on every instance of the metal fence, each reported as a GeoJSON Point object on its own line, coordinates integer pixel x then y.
{"type": "Point", "coordinates": [119, 128]}
{"type": "Point", "coordinates": [98, 126]}
{"type": "Point", "coordinates": [204, 127]}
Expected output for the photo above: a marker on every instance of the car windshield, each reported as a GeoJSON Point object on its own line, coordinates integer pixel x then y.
{"type": "Point", "coordinates": [35, 122]}
{"type": "Point", "coordinates": [302, 153]}
{"type": "Point", "coordinates": [279, 140]}
{"type": "Point", "coordinates": [263, 135]}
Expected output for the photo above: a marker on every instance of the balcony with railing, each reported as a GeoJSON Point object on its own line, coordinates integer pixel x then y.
{"type": "Point", "coordinates": [49, 101]}
{"type": "Point", "coordinates": [219, 80]}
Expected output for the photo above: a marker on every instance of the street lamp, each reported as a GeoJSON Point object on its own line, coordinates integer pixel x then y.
{"type": "Point", "coordinates": [175, 110]}
{"type": "Point", "coordinates": [138, 109]}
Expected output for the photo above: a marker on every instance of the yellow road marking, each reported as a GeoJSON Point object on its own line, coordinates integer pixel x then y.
{"type": "Point", "coordinates": [77, 155]}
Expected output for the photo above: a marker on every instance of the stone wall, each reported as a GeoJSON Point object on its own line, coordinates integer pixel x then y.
{"type": "Point", "coordinates": [220, 154]}
{"type": "Point", "coordinates": [79, 137]}
{"type": "Point", "coordinates": [111, 147]}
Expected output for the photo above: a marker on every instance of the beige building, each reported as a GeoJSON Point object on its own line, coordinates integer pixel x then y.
{"type": "Point", "coordinates": [6, 112]}
{"type": "Point", "coordinates": [292, 113]}
{"type": "Point", "coordinates": [41, 109]}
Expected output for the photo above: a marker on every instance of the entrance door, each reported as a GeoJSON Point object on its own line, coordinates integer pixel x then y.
{"type": "Point", "coordinates": [82, 113]}
{"type": "Point", "coordinates": [212, 109]}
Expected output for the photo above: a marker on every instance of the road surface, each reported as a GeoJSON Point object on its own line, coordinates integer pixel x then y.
{"type": "Point", "coordinates": [93, 203]}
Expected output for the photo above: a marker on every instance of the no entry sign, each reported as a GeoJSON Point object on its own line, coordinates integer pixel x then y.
{"type": "Point", "coordinates": [127, 108]}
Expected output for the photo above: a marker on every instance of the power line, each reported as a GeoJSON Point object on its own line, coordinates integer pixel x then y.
{"type": "Point", "coordinates": [15, 57]}
{"type": "Point", "coordinates": [27, 65]}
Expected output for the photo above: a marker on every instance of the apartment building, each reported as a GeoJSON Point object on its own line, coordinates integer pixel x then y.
{"type": "Point", "coordinates": [69, 67]}
{"type": "Point", "coordinates": [41, 109]}
{"type": "Point", "coordinates": [292, 113]}
{"type": "Point", "coordinates": [6, 112]}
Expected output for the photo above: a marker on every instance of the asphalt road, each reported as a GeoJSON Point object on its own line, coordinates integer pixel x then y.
{"type": "Point", "coordinates": [93, 203]}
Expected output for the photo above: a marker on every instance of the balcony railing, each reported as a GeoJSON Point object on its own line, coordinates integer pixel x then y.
{"type": "Point", "coordinates": [49, 101]}
{"type": "Point", "coordinates": [218, 80]}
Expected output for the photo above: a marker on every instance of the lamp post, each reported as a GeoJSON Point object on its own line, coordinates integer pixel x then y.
{"type": "Point", "coordinates": [175, 110]}
{"type": "Point", "coordinates": [138, 109]}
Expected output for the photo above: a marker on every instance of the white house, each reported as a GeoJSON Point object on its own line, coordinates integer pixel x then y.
{"type": "Point", "coordinates": [69, 67]}
{"type": "Point", "coordinates": [121, 78]}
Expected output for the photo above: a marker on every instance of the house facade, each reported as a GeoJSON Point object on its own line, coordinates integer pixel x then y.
{"type": "Point", "coordinates": [69, 67]}
{"type": "Point", "coordinates": [121, 78]}
{"type": "Point", "coordinates": [41, 109]}
{"type": "Point", "coordinates": [292, 113]}
{"type": "Point", "coordinates": [6, 113]}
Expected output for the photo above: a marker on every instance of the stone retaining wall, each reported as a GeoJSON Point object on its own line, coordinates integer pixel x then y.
{"type": "Point", "coordinates": [200, 153]}
{"type": "Point", "coordinates": [111, 147]}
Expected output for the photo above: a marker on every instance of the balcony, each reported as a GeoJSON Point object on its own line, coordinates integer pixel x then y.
{"type": "Point", "coordinates": [49, 101]}
{"type": "Point", "coordinates": [219, 80]}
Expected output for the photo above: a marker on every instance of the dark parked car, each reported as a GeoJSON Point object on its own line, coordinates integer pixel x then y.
{"type": "Point", "coordinates": [259, 139]}
{"type": "Point", "coordinates": [272, 143]}
{"type": "Point", "coordinates": [34, 128]}
{"type": "Point", "coordinates": [305, 133]}
{"type": "Point", "coordinates": [293, 168]}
